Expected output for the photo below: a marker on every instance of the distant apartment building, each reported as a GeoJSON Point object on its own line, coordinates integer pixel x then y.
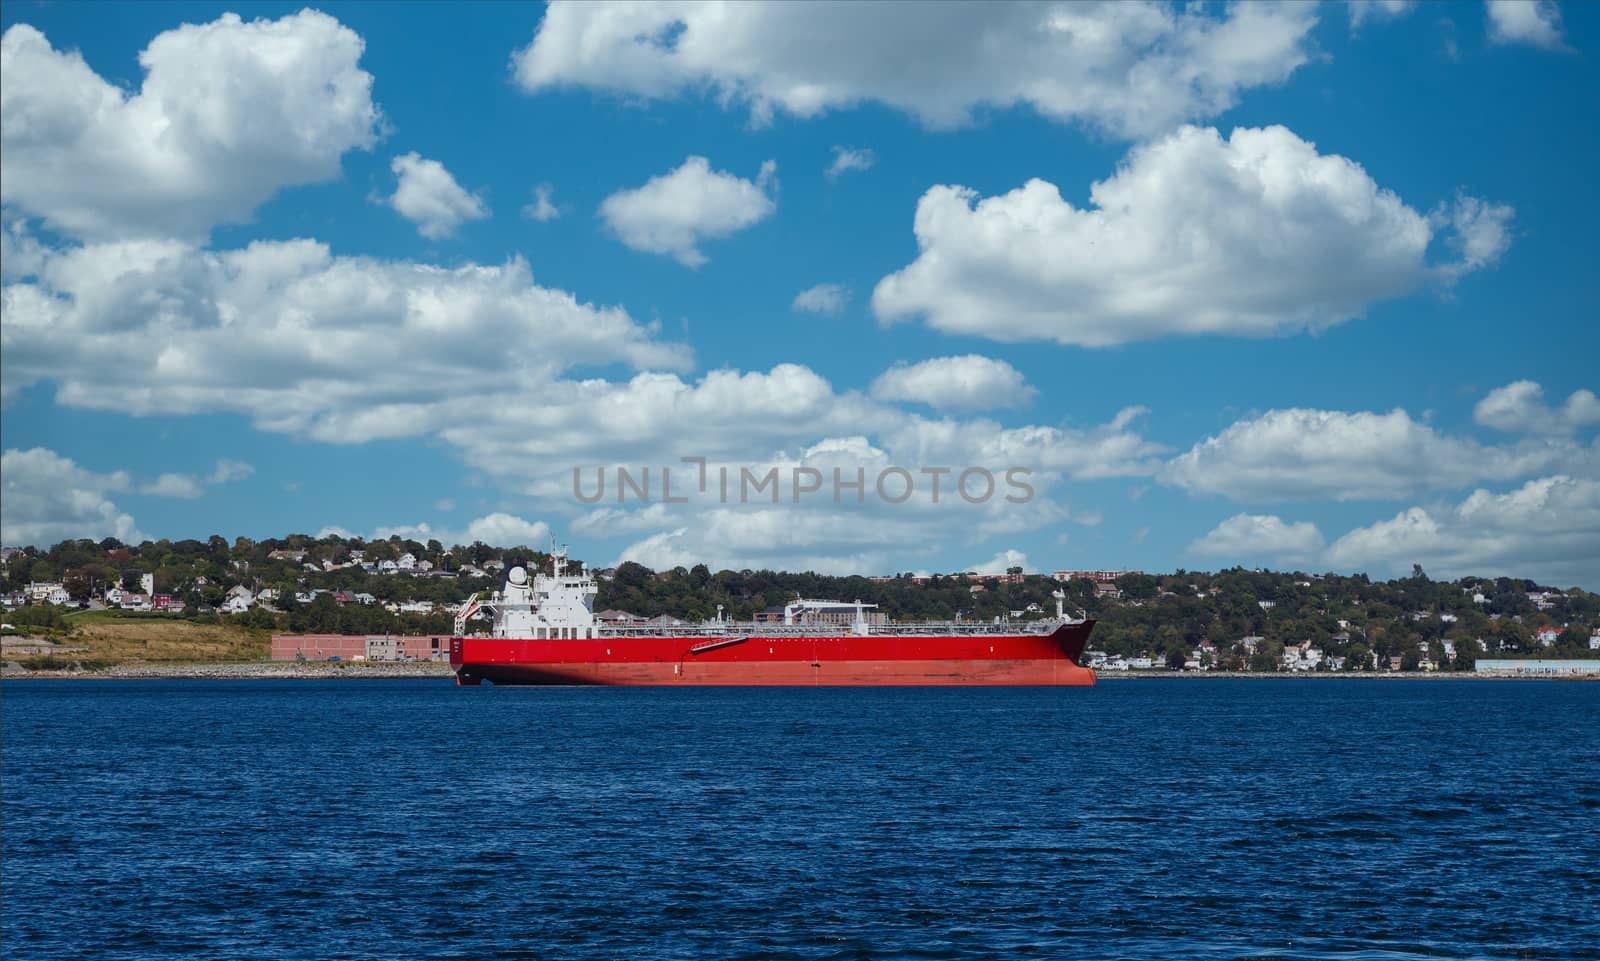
{"type": "Point", "coordinates": [1007, 578]}
{"type": "Point", "coordinates": [1105, 582]}
{"type": "Point", "coordinates": [1099, 577]}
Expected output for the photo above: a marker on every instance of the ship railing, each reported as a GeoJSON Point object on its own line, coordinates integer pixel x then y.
{"type": "Point", "coordinates": [760, 629]}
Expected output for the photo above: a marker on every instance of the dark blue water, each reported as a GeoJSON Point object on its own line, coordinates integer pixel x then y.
{"type": "Point", "coordinates": [1142, 819]}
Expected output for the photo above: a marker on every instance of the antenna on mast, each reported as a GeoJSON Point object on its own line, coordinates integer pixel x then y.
{"type": "Point", "coordinates": [558, 555]}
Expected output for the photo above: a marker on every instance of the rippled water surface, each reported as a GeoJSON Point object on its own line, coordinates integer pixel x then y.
{"type": "Point", "coordinates": [1139, 819]}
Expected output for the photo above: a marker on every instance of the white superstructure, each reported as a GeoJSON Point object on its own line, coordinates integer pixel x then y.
{"type": "Point", "coordinates": [560, 606]}
{"type": "Point", "coordinates": [557, 605]}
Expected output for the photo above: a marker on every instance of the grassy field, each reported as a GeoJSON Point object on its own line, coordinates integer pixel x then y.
{"type": "Point", "coordinates": [108, 637]}
{"type": "Point", "coordinates": [105, 617]}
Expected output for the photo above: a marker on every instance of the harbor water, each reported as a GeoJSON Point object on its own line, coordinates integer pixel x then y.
{"type": "Point", "coordinates": [1161, 819]}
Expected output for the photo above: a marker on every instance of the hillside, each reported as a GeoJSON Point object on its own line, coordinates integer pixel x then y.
{"type": "Point", "coordinates": [1232, 618]}
{"type": "Point", "coordinates": [97, 639]}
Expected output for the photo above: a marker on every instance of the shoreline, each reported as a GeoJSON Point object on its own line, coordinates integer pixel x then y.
{"type": "Point", "coordinates": [249, 671]}
{"type": "Point", "coordinates": [324, 670]}
{"type": "Point", "coordinates": [1330, 676]}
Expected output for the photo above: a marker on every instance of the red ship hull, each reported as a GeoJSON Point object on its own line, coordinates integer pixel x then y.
{"type": "Point", "coordinates": [845, 660]}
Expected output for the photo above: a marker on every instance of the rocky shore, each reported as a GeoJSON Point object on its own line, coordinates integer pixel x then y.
{"type": "Point", "coordinates": [1319, 676]}
{"type": "Point", "coordinates": [370, 670]}
{"type": "Point", "coordinates": [262, 670]}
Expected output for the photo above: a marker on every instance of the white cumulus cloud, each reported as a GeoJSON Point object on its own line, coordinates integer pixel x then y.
{"type": "Point", "coordinates": [189, 486]}
{"type": "Point", "coordinates": [348, 349]}
{"type": "Point", "coordinates": [1547, 529]}
{"type": "Point", "coordinates": [507, 530]}
{"type": "Point", "coordinates": [1362, 11]}
{"type": "Point", "coordinates": [1520, 408]}
{"type": "Point", "coordinates": [605, 521]}
{"type": "Point", "coordinates": [787, 419]}
{"type": "Point", "coordinates": [344, 349]}
{"type": "Point", "coordinates": [1480, 233]}
{"type": "Point", "coordinates": [1002, 562]}
{"type": "Point", "coordinates": [822, 299]}
{"type": "Point", "coordinates": [674, 212]}
{"type": "Point", "coordinates": [1302, 454]}
{"type": "Point", "coordinates": [49, 498]}
{"type": "Point", "coordinates": [427, 195]}
{"type": "Point", "coordinates": [184, 486]}
{"type": "Point", "coordinates": [1127, 68]}
{"type": "Point", "coordinates": [846, 159]}
{"type": "Point", "coordinates": [230, 470]}
{"type": "Point", "coordinates": [829, 542]}
{"type": "Point", "coordinates": [1255, 234]}
{"type": "Point", "coordinates": [970, 382]}
{"type": "Point", "coordinates": [1536, 23]}
{"type": "Point", "coordinates": [542, 208]}
{"type": "Point", "coordinates": [787, 416]}
{"type": "Point", "coordinates": [228, 113]}
{"type": "Point", "coordinates": [498, 529]}
{"type": "Point", "coordinates": [1251, 536]}
{"type": "Point", "coordinates": [21, 253]}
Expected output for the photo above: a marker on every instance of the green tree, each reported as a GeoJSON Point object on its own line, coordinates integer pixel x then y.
{"type": "Point", "coordinates": [1358, 657]}
{"type": "Point", "coordinates": [81, 582]}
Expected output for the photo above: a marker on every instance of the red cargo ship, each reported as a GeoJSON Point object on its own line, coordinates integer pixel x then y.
{"type": "Point", "coordinates": [545, 632]}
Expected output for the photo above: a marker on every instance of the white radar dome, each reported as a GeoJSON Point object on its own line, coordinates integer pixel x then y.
{"type": "Point", "coordinates": [517, 576]}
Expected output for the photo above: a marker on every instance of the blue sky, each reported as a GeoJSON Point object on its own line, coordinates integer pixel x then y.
{"type": "Point", "coordinates": [1305, 286]}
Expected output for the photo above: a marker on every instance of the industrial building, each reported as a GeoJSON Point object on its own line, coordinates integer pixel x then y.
{"type": "Point", "coordinates": [360, 647]}
{"type": "Point", "coordinates": [1537, 667]}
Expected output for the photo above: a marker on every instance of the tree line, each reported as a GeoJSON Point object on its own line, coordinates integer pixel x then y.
{"type": "Point", "coordinates": [1164, 616]}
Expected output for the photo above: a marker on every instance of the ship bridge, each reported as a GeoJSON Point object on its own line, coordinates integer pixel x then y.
{"type": "Point", "coordinates": [556, 605]}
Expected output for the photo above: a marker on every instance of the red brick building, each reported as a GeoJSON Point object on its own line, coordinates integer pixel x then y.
{"type": "Point", "coordinates": [360, 647]}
